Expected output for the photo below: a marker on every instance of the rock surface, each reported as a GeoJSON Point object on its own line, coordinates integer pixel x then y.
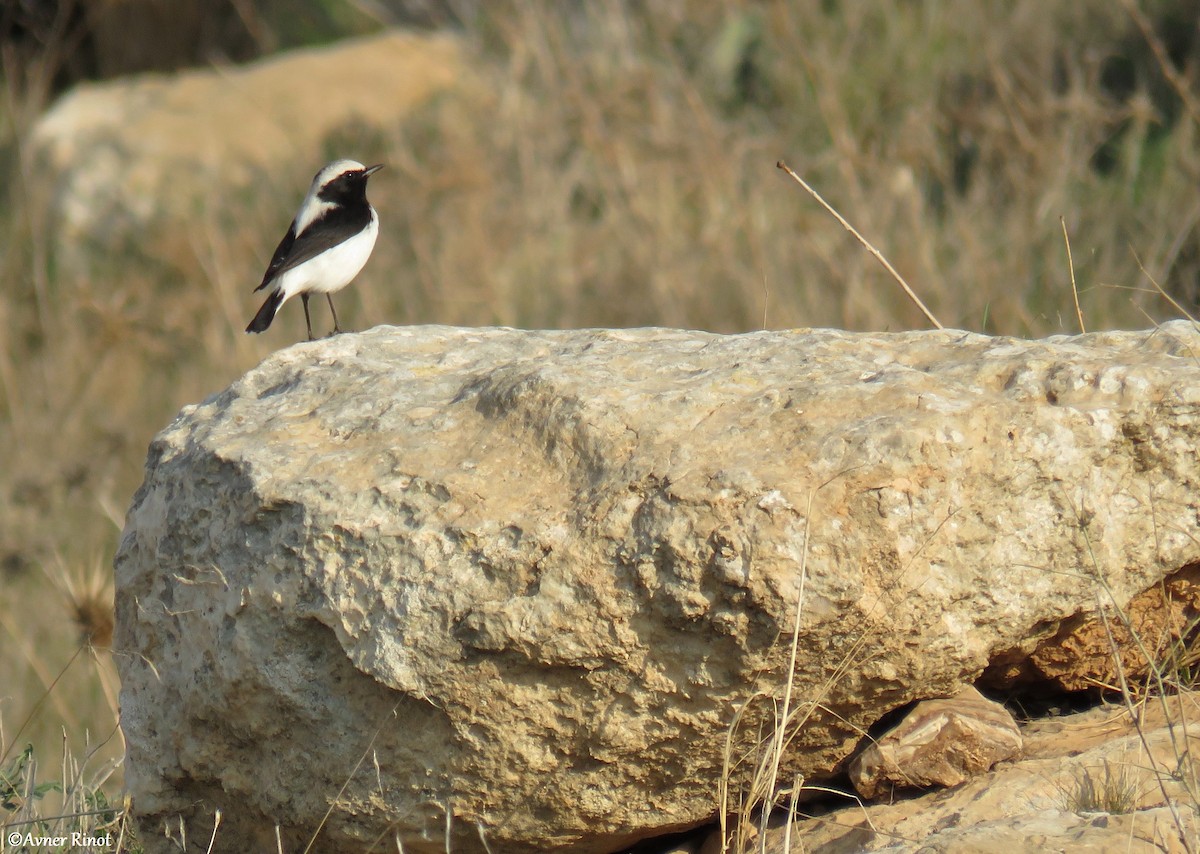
{"type": "Point", "coordinates": [939, 743]}
{"type": "Point", "coordinates": [1080, 653]}
{"type": "Point", "coordinates": [147, 157]}
{"type": "Point", "coordinates": [1040, 803]}
{"type": "Point", "coordinates": [519, 586]}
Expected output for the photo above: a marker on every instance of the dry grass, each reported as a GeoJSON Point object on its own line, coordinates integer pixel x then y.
{"type": "Point", "coordinates": [619, 171]}
{"type": "Point", "coordinates": [1107, 789]}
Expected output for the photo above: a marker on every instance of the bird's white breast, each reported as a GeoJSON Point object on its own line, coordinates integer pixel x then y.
{"type": "Point", "coordinates": [334, 268]}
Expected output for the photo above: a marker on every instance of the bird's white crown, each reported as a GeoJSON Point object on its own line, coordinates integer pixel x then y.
{"type": "Point", "coordinates": [337, 167]}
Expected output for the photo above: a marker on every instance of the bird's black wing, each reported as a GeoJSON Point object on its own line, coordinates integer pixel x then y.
{"type": "Point", "coordinates": [335, 226]}
{"type": "Point", "coordinates": [281, 254]}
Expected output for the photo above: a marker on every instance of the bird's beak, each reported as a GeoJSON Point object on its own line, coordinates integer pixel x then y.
{"type": "Point", "coordinates": [371, 170]}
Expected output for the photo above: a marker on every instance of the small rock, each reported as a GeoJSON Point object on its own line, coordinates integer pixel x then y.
{"type": "Point", "coordinates": [939, 743]}
{"type": "Point", "coordinates": [1032, 803]}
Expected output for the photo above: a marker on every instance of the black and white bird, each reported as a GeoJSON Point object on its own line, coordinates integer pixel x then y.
{"type": "Point", "coordinates": [326, 246]}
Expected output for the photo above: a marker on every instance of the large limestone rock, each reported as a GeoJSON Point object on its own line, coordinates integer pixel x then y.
{"type": "Point", "coordinates": [158, 156]}
{"type": "Point", "coordinates": [519, 586]}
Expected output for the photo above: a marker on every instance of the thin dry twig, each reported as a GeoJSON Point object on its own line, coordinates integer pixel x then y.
{"type": "Point", "coordinates": [333, 803]}
{"type": "Point", "coordinates": [1126, 695]}
{"type": "Point", "coordinates": [1101, 584]}
{"type": "Point", "coordinates": [213, 840]}
{"type": "Point", "coordinates": [865, 244]}
{"type": "Point", "coordinates": [1174, 303]}
{"type": "Point", "coordinates": [1071, 268]}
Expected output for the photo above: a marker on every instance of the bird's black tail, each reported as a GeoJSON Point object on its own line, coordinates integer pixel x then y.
{"type": "Point", "coordinates": [267, 313]}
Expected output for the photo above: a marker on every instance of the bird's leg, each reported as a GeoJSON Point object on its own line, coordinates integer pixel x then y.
{"type": "Point", "coordinates": [336, 330]}
{"type": "Point", "coordinates": [307, 322]}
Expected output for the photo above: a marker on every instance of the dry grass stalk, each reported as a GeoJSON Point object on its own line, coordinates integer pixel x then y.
{"type": "Point", "coordinates": [1071, 269]}
{"type": "Point", "coordinates": [865, 244]}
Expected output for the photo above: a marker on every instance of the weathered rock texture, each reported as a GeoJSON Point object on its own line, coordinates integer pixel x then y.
{"type": "Point", "coordinates": [1080, 654]}
{"type": "Point", "coordinates": [1044, 802]}
{"type": "Point", "coordinates": [530, 578]}
{"type": "Point", "coordinates": [140, 159]}
{"type": "Point", "coordinates": [940, 742]}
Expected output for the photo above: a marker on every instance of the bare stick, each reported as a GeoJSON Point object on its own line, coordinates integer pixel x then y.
{"type": "Point", "coordinates": [216, 824]}
{"type": "Point", "coordinates": [878, 256]}
{"type": "Point", "coordinates": [1071, 267]}
{"type": "Point", "coordinates": [1174, 303]}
